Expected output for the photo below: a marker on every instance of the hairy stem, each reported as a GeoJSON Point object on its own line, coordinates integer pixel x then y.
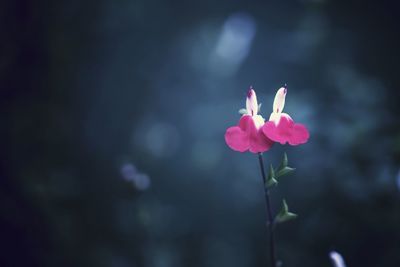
{"type": "Point", "coordinates": [270, 218]}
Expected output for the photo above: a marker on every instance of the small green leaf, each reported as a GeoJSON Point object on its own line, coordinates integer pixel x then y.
{"type": "Point", "coordinates": [285, 160]}
{"type": "Point", "coordinates": [242, 111]}
{"type": "Point", "coordinates": [271, 174]}
{"type": "Point", "coordinates": [284, 215]}
{"type": "Point", "coordinates": [271, 182]}
{"type": "Point", "coordinates": [285, 207]}
{"type": "Point", "coordinates": [285, 171]}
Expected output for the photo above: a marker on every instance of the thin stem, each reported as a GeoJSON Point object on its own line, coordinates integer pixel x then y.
{"type": "Point", "coordinates": [270, 219]}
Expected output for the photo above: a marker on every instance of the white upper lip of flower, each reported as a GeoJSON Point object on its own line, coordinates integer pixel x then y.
{"type": "Point", "coordinates": [278, 105]}
{"type": "Point", "coordinates": [337, 259]}
{"type": "Point", "coordinates": [251, 103]}
{"type": "Point", "coordinates": [252, 108]}
{"type": "Point", "coordinates": [279, 100]}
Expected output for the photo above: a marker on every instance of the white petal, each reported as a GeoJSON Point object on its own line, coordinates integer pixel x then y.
{"type": "Point", "coordinates": [279, 101]}
{"type": "Point", "coordinates": [258, 121]}
{"type": "Point", "coordinates": [275, 117]}
{"type": "Point", "coordinates": [251, 102]}
{"type": "Point", "coordinates": [337, 259]}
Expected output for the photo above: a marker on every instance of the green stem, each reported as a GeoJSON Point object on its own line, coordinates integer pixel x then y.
{"type": "Point", "coordinates": [270, 218]}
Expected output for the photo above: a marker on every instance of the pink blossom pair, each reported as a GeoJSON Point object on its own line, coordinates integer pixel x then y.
{"type": "Point", "coordinates": [255, 134]}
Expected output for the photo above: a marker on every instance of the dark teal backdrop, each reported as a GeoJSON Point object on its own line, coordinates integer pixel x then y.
{"type": "Point", "coordinates": [112, 122]}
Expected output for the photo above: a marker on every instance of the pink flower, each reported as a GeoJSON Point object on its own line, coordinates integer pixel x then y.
{"type": "Point", "coordinates": [281, 127]}
{"type": "Point", "coordinates": [248, 134]}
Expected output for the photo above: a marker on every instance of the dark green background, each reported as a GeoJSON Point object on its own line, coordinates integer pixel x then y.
{"type": "Point", "coordinates": [88, 86]}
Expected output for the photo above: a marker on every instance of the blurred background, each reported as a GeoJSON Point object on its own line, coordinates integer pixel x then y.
{"type": "Point", "coordinates": [112, 122]}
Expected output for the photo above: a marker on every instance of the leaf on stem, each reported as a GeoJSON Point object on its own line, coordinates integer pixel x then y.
{"type": "Point", "coordinates": [284, 169]}
{"type": "Point", "coordinates": [284, 214]}
{"type": "Point", "coordinates": [284, 161]}
{"type": "Point", "coordinates": [271, 181]}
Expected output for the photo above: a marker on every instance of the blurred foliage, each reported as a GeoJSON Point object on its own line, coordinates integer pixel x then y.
{"type": "Point", "coordinates": [88, 87]}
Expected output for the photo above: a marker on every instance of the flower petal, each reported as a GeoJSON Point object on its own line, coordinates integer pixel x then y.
{"type": "Point", "coordinates": [280, 132]}
{"type": "Point", "coordinates": [251, 102]}
{"type": "Point", "coordinates": [286, 131]}
{"type": "Point", "coordinates": [259, 142]}
{"type": "Point", "coordinates": [247, 137]}
{"type": "Point", "coordinates": [237, 139]}
{"type": "Point", "coordinates": [279, 100]}
{"type": "Point", "coordinates": [299, 135]}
